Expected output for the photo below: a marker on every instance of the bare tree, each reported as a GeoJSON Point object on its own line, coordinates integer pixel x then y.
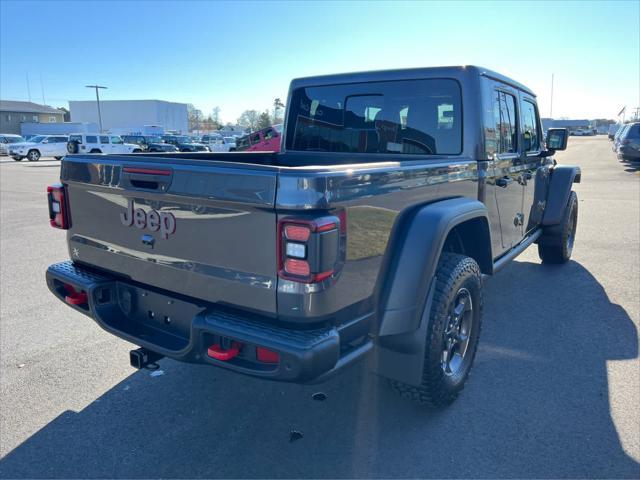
{"type": "Point", "coordinates": [249, 119]}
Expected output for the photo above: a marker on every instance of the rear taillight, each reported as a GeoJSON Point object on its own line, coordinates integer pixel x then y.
{"type": "Point", "coordinates": [58, 207]}
{"type": "Point", "coordinates": [309, 250]}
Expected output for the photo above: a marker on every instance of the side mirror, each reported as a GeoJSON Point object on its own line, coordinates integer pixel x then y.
{"type": "Point", "coordinates": [557, 138]}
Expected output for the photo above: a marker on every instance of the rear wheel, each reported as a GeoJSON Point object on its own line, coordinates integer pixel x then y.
{"type": "Point", "coordinates": [452, 333]}
{"type": "Point", "coordinates": [72, 146]}
{"type": "Point", "coordinates": [556, 246]}
{"type": "Point", "coordinates": [33, 155]}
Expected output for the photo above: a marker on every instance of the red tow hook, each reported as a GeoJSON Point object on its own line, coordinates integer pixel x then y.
{"type": "Point", "coordinates": [216, 351]}
{"type": "Point", "coordinates": [74, 297]}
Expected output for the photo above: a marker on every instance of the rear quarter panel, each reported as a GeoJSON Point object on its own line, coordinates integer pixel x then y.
{"type": "Point", "coordinates": [376, 198]}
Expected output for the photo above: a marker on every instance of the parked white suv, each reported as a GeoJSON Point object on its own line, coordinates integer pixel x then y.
{"type": "Point", "coordinates": [39, 146]}
{"type": "Point", "coordinates": [100, 143]}
{"type": "Point", "coordinates": [220, 144]}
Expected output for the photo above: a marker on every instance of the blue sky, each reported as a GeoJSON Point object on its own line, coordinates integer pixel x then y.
{"type": "Point", "coordinates": [242, 55]}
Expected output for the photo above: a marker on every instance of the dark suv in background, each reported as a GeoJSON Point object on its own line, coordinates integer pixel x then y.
{"type": "Point", "coordinates": [184, 143]}
{"type": "Point", "coordinates": [150, 143]}
{"type": "Point", "coordinates": [629, 143]}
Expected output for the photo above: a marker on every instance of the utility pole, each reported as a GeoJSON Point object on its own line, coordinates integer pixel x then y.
{"type": "Point", "coordinates": [97, 102]}
{"type": "Point", "coordinates": [44, 102]}
{"type": "Point", "coordinates": [28, 88]}
{"type": "Point", "coordinates": [551, 108]}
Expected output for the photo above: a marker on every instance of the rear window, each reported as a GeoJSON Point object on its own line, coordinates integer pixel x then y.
{"type": "Point", "coordinates": [75, 138]}
{"type": "Point", "coordinates": [633, 131]}
{"type": "Point", "coordinates": [412, 117]}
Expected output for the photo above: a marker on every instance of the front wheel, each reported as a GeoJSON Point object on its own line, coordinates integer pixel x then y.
{"type": "Point", "coordinates": [452, 333]}
{"type": "Point", "coordinates": [33, 155]}
{"type": "Point", "coordinates": [556, 245]}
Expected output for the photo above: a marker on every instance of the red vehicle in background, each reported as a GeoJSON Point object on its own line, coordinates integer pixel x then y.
{"type": "Point", "coordinates": [265, 140]}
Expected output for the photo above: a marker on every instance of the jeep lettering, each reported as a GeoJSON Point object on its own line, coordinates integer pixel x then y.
{"type": "Point", "coordinates": [154, 220]}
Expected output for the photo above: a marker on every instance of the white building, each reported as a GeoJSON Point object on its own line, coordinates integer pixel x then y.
{"type": "Point", "coordinates": [131, 116]}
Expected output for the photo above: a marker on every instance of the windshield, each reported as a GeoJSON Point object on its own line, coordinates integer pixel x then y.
{"type": "Point", "coordinates": [37, 138]}
{"type": "Point", "coordinates": [15, 139]}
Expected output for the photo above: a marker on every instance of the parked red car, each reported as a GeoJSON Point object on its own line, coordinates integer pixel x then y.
{"type": "Point", "coordinates": [265, 140]}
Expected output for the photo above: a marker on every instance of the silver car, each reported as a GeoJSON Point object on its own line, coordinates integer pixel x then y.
{"type": "Point", "coordinates": [6, 139]}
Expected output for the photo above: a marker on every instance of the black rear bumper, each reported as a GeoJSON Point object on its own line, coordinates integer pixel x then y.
{"type": "Point", "coordinates": [183, 328]}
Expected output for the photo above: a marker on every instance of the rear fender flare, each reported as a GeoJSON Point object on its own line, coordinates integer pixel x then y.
{"type": "Point", "coordinates": [410, 273]}
{"type": "Point", "coordinates": [406, 295]}
{"type": "Point", "coordinates": [560, 184]}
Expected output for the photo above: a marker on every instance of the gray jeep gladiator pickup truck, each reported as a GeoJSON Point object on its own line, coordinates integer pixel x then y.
{"type": "Point", "coordinates": [395, 192]}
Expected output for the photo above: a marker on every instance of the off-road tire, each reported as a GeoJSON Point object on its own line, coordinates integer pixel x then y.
{"type": "Point", "coordinates": [73, 146]}
{"type": "Point", "coordinates": [556, 244]}
{"type": "Point", "coordinates": [454, 272]}
{"type": "Point", "coordinates": [33, 155]}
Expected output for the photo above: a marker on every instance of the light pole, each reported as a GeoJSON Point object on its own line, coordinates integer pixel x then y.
{"type": "Point", "coordinates": [551, 107]}
{"type": "Point", "coordinates": [98, 102]}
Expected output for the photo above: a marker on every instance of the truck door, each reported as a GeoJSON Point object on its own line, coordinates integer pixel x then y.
{"type": "Point", "coordinates": [535, 176]}
{"type": "Point", "coordinates": [508, 167]}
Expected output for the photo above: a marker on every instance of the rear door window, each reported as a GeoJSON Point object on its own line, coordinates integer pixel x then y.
{"type": "Point", "coordinates": [255, 138]}
{"type": "Point", "coordinates": [92, 139]}
{"type": "Point", "coordinates": [104, 139]}
{"type": "Point", "coordinates": [269, 134]}
{"type": "Point", "coordinates": [504, 112]}
{"type": "Point", "coordinates": [410, 117]}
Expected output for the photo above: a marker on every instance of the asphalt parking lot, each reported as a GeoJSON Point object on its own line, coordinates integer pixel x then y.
{"type": "Point", "coordinates": [555, 391]}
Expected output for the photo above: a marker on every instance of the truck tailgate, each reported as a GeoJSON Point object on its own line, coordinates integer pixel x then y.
{"type": "Point", "coordinates": [203, 229]}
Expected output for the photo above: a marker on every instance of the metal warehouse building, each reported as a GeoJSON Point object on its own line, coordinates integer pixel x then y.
{"type": "Point", "coordinates": [131, 115]}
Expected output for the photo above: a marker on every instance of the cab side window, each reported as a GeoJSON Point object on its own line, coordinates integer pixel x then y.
{"type": "Point", "coordinates": [504, 112]}
{"type": "Point", "coordinates": [530, 132]}
{"type": "Point", "coordinates": [104, 139]}
{"type": "Point", "coordinates": [255, 138]}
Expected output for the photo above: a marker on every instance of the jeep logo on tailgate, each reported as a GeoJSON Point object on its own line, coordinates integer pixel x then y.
{"type": "Point", "coordinates": [154, 220]}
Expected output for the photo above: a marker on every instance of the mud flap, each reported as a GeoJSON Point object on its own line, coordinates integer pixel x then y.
{"type": "Point", "coordinates": [401, 357]}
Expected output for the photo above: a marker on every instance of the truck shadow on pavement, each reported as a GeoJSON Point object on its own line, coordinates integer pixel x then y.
{"type": "Point", "coordinates": [536, 405]}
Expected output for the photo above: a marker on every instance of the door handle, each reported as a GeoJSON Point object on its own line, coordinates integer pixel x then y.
{"type": "Point", "coordinates": [504, 182]}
